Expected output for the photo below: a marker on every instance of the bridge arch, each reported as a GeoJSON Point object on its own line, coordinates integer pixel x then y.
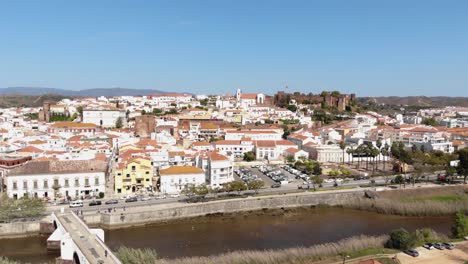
{"type": "Point", "coordinates": [76, 259]}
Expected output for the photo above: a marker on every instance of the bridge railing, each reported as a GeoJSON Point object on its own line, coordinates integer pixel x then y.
{"type": "Point", "coordinates": [109, 252]}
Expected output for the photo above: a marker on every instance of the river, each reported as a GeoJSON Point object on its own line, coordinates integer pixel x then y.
{"type": "Point", "coordinates": [214, 235]}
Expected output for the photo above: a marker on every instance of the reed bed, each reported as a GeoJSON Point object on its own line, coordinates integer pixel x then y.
{"type": "Point", "coordinates": [297, 255]}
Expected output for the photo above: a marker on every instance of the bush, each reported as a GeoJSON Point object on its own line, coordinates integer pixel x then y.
{"type": "Point", "coordinates": [460, 228]}
{"type": "Point", "coordinates": [249, 156]}
{"type": "Point", "coordinates": [136, 256]}
{"type": "Point", "coordinates": [401, 239]}
{"type": "Point", "coordinates": [101, 195]}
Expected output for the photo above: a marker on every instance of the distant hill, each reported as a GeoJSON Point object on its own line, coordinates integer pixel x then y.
{"type": "Point", "coordinates": [78, 93]}
{"type": "Point", "coordinates": [423, 101]}
{"type": "Point", "coordinates": [17, 100]}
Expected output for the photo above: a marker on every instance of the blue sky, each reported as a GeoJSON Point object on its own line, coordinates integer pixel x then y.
{"type": "Point", "coordinates": [373, 47]}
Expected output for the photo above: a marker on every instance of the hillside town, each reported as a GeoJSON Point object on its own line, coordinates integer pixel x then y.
{"type": "Point", "coordinates": [137, 145]}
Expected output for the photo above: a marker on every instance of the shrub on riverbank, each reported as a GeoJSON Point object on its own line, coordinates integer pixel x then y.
{"type": "Point", "coordinates": [415, 202]}
{"type": "Point", "coordinates": [4, 260]}
{"type": "Point", "coordinates": [11, 209]}
{"type": "Point", "coordinates": [408, 208]}
{"type": "Point", "coordinates": [287, 256]}
{"type": "Point", "coordinates": [136, 256]}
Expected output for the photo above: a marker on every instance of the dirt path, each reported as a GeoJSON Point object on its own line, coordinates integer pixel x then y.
{"type": "Point", "coordinates": [435, 256]}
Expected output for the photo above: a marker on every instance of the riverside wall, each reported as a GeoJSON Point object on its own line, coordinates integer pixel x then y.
{"type": "Point", "coordinates": [144, 215]}
{"type": "Point", "coordinates": [155, 214]}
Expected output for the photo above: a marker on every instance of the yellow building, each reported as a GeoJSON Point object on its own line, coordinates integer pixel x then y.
{"type": "Point", "coordinates": [134, 175]}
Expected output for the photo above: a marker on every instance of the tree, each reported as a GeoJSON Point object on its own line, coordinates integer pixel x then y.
{"type": "Point", "coordinates": [350, 152]}
{"type": "Point", "coordinates": [119, 122]}
{"type": "Point", "coordinates": [399, 179]}
{"type": "Point", "coordinates": [462, 168]}
{"type": "Point", "coordinates": [255, 185]}
{"type": "Point", "coordinates": [227, 187]}
{"type": "Point", "coordinates": [343, 147]}
{"type": "Point", "coordinates": [238, 186]}
{"type": "Point", "coordinates": [430, 121]}
{"type": "Point", "coordinates": [204, 102]}
{"type": "Point", "coordinates": [317, 170]}
{"type": "Point", "coordinates": [460, 227]}
{"type": "Point", "coordinates": [316, 180]}
{"type": "Point", "coordinates": [401, 239]}
{"type": "Point", "coordinates": [249, 156]}
{"type": "Point", "coordinates": [79, 109]}
{"type": "Point", "coordinates": [290, 159]}
{"type": "Point", "coordinates": [202, 190]}
{"type": "Point", "coordinates": [292, 108]}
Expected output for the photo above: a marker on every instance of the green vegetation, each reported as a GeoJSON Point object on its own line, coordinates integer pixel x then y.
{"type": "Point", "coordinates": [32, 116]}
{"type": "Point", "coordinates": [204, 102]}
{"type": "Point", "coordinates": [136, 256]}
{"type": "Point", "coordinates": [401, 239]}
{"type": "Point", "coordinates": [415, 202]}
{"type": "Point", "coordinates": [355, 246]}
{"type": "Point", "coordinates": [430, 121]}
{"type": "Point", "coordinates": [460, 227]}
{"type": "Point", "coordinates": [249, 156]}
{"type": "Point", "coordinates": [255, 185]}
{"type": "Point", "coordinates": [11, 209]}
{"type": "Point", "coordinates": [119, 123]}
{"type": "Point", "coordinates": [462, 168]}
{"type": "Point", "coordinates": [4, 260]}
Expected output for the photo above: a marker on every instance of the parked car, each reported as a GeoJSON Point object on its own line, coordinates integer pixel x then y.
{"type": "Point", "coordinates": [94, 203]}
{"type": "Point", "coordinates": [161, 197]}
{"type": "Point", "coordinates": [429, 246]}
{"type": "Point", "coordinates": [112, 201]}
{"type": "Point", "coordinates": [145, 198]}
{"type": "Point", "coordinates": [448, 245]}
{"type": "Point", "coordinates": [131, 199]}
{"type": "Point", "coordinates": [411, 252]}
{"type": "Point", "coordinates": [276, 185]}
{"type": "Point", "coordinates": [175, 195]}
{"type": "Point", "coordinates": [439, 246]}
{"type": "Point", "coordinates": [77, 203]}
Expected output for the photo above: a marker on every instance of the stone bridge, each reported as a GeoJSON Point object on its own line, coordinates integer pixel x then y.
{"type": "Point", "coordinates": [77, 242]}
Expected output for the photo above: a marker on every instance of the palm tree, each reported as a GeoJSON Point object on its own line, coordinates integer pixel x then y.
{"type": "Point", "coordinates": [374, 153]}
{"type": "Point", "coordinates": [379, 147]}
{"type": "Point", "coordinates": [343, 147]}
{"type": "Point", "coordinates": [350, 152]}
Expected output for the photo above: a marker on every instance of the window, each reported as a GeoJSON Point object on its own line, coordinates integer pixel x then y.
{"type": "Point", "coordinates": [128, 175]}
{"type": "Point", "coordinates": [66, 183]}
{"type": "Point", "coordinates": [119, 174]}
{"type": "Point", "coordinates": [133, 168]}
{"type": "Point", "coordinates": [96, 181]}
{"type": "Point", "coordinates": [87, 182]}
{"type": "Point", "coordinates": [25, 185]}
{"type": "Point", "coordinates": [77, 182]}
{"type": "Point", "coordinates": [56, 182]}
{"type": "Point", "coordinates": [15, 186]}
{"type": "Point", "coordinates": [147, 172]}
{"type": "Point", "coordinates": [46, 184]}
{"type": "Point", "coordinates": [35, 184]}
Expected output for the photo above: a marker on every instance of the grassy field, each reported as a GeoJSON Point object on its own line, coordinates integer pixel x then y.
{"type": "Point", "coordinates": [415, 202]}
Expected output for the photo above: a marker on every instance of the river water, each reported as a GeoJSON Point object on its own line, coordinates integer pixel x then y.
{"type": "Point", "coordinates": [216, 235]}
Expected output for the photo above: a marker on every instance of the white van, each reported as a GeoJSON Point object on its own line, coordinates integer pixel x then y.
{"type": "Point", "coordinates": [77, 203]}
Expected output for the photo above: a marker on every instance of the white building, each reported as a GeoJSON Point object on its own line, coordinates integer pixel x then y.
{"type": "Point", "coordinates": [104, 118]}
{"type": "Point", "coordinates": [236, 148]}
{"type": "Point", "coordinates": [218, 169]}
{"type": "Point", "coordinates": [253, 135]}
{"type": "Point", "coordinates": [174, 179]}
{"type": "Point", "coordinates": [57, 179]}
